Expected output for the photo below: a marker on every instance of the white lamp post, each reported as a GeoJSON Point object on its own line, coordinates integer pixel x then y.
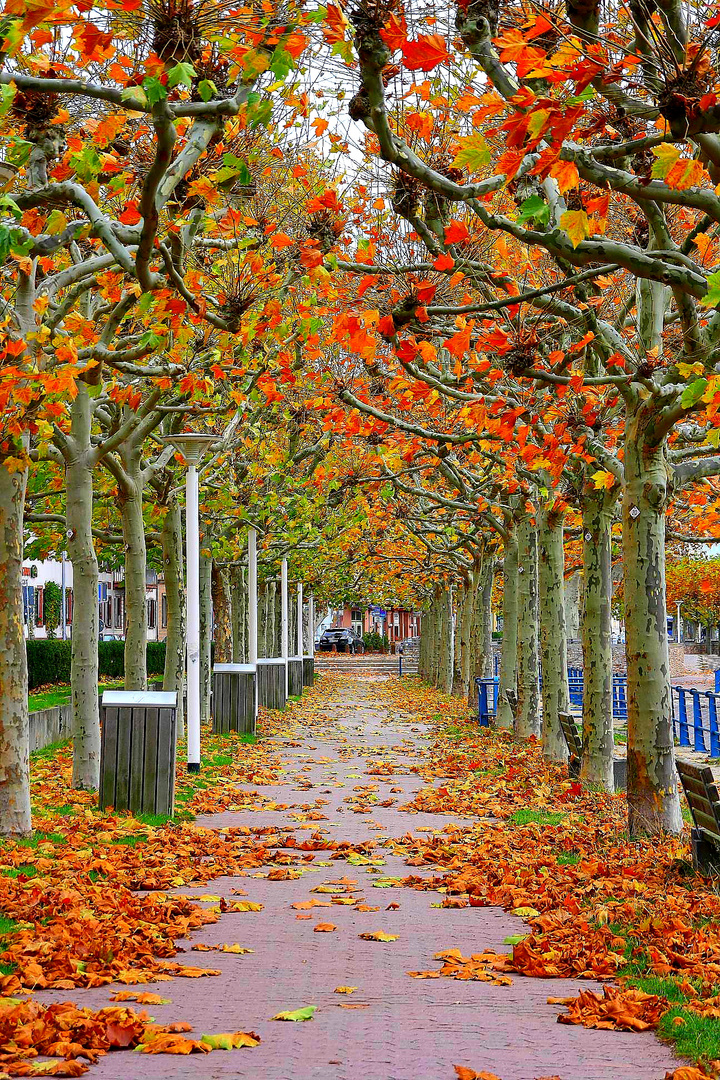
{"type": "Point", "coordinates": [192, 446]}
{"type": "Point", "coordinates": [311, 626]}
{"type": "Point", "coordinates": [300, 635]}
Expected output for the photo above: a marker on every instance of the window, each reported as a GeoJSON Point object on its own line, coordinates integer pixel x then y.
{"type": "Point", "coordinates": [118, 612]}
{"type": "Point", "coordinates": [152, 614]}
{"type": "Point", "coordinates": [163, 611]}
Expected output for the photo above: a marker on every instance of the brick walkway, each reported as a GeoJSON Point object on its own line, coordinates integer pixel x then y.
{"type": "Point", "coordinates": [398, 1028]}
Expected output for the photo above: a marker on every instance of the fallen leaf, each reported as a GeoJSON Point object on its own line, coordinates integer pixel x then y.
{"type": "Point", "coordinates": [345, 989]}
{"type": "Point", "coordinates": [324, 928]}
{"type": "Point", "coordinates": [379, 935]}
{"type": "Point", "coordinates": [296, 1015]}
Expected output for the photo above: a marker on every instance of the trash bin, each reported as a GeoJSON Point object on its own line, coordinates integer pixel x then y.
{"type": "Point", "coordinates": [271, 683]}
{"type": "Point", "coordinates": [137, 751]}
{"type": "Point", "coordinates": [295, 676]}
{"type": "Point", "coordinates": [234, 693]}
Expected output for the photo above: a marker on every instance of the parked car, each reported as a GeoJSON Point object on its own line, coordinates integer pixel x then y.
{"type": "Point", "coordinates": [343, 639]}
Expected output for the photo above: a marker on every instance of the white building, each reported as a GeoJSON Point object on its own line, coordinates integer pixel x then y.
{"type": "Point", "coordinates": [111, 600]}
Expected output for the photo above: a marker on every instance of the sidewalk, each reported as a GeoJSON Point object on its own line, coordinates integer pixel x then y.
{"type": "Point", "coordinates": [346, 779]}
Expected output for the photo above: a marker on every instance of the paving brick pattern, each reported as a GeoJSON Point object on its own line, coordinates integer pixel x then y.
{"type": "Point", "coordinates": [399, 1028]}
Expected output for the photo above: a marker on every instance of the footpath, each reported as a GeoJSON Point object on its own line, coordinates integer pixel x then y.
{"type": "Point", "coordinates": [352, 793]}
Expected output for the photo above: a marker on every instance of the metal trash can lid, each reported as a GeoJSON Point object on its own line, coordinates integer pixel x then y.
{"type": "Point", "coordinates": [243, 669]}
{"type": "Point", "coordinates": [156, 699]}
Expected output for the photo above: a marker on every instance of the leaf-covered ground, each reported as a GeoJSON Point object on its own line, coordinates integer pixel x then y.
{"type": "Point", "coordinates": [347, 872]}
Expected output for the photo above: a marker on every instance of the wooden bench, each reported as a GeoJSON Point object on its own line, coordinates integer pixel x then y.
{"type": "Point", "coordinates": [704, 801]}
{"type": "Point", "coordinates": [574, 743]}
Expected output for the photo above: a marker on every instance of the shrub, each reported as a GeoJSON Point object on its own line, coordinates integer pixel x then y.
{"type": "Point", "coordinates": [53, 607]}
{"type": "Point", "coordinates": [375, 642]}
{"type": "Point", "coordinates": [49, 660]}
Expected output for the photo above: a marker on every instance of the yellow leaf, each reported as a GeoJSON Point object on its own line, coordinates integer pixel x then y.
{"type": "Point", "coordinates": [345, 989]}
{"type": "Point", "coordinates": [379, 935]}
{"type": "Point", "coordinates": [603, 479]}
{"type": "Point", "coordinates": [666, 156]}
{"type": "Point", "coordinates": [576, 225]}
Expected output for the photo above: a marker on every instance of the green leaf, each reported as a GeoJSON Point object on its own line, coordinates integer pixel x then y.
{"type": "Point", "coordinates": [534, 209]}
{"type": "Point", "coordinates": [587, 95]}
{"type": "Point", "coordinates": [297, 1015]}
{"type": "Point", "coordinates": [281, 63]}
{"type": "Point", "coordinates": [693, 393]}
{"type": "Point", "coordinates": [514, 939]}
{"type": "Point", "coordinates": [713, 438]}
{"type": "Point", "coordinates": [134, 93]}
{"type": "Point", "coordinates": [206, 89]}
{"type": "Point", "coordinates": [182, 74]}
{"type": "Point", "coordinates": [154, 90]}
{"type": "Point", "coordinates": [9, 206]}
{"type": "Point", "coordinates": [712, 296]}
{"type": "Point", "coordinates": [473, 154]}
{"type": "Point", "coordinates": [259, 114]}
{"type": "Point", "coordinates": [4, 243]}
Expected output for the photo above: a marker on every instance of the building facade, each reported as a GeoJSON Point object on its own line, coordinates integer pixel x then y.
{"type": "Point", "coordinates": [37, 575]}
{"type": "Point", "coordinates": [395, 623]}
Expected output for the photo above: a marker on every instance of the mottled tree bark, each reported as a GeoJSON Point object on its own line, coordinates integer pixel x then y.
{"type": "Point", "coordinates": [239, 600]}
{"type": "Point", "coordinates": [174, 676]}
{"type": "Point", "coordinates": [446, 641]}
{"type": "Point", "coordinates": [653, 800]}
{"type": "Point", "coordinates": [553, 638]}
{"type": "Point", "coordinates": [222, 611]}
{"type": "Point", "coordinates": [206, 618]}
{"type": "Point", "coordinates": [527, 722]}
{"type": "Point", "coordinates": [14, 743]}
{"type": "Point", "coordinates": [85, 628]}
{"type": "Point", "coordinates": [508, 652]}
{"type": "Point", "coordinates": [130, 498]}
{"type": "Point", "coordinates": [598, 742]}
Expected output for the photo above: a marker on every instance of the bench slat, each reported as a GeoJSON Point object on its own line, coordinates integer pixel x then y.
{"type": "Point", "coordinates": [703, 813]}
{"type": "Point", "coordinates": [698, 772]}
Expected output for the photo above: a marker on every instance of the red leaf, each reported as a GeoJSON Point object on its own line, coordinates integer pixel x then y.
{"type": "Point", "coordinates": [425, 53]}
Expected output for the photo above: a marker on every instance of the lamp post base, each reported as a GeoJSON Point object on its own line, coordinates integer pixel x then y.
{"type": "Point", "coordinates": [193, 766]}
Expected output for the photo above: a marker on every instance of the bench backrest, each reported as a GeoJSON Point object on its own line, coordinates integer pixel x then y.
{"type": "Point", "coordinates": [570, 731]}
{"type": "Point", "coordinates": [702, 795]}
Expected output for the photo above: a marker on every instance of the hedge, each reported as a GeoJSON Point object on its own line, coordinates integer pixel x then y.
{"type": "Point", "coordinates": [49, 660]}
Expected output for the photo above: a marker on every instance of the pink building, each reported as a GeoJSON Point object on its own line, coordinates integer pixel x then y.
{"type": "Point", "coordinates": [395, 623]}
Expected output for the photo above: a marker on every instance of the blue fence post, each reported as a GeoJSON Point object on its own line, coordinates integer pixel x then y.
{"type": "Point", "coordinates": [684, 731]}
{"type": "Point", "coordinates": [483, 717]}
{"type": "Point", "coordinates": [698, 732]}
{"type": "Point", "coordinates": [713, 722]}
{"type": "Point", "coordinates": [717, 680]}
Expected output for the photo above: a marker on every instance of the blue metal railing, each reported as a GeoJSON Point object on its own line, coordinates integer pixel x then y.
{"type": "Point", "coordinates": [695, 719]}
{"type": "Point", "coordinates": [487, 701]}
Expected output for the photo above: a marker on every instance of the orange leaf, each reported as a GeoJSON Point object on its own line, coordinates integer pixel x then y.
{"type": "Point", "coordinates": [425, 53]}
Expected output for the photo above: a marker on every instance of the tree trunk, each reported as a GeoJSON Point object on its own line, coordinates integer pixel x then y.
{"type": "Point", "coordinates": [133, 527]}
{"type": "Point", "coordinates": [598, 743]}
{"type": "Point", "coordinates": [553, 638]}
{"type": "Point", "coordinates": [463, 637]}
{"type": "Point", "coordinates": [14, 758]}
{"type": "Point", "coordinates": [239, 602]}
{"type": "Point", "coordinates": [447, 643]}
{"type": "Point", "coordinates": [528, 719]}
{"type": "Point", "coordinates": [174, 676]}
{"type": "Point", "coordinates": [222, 611]}
{"type": "Point", "coordinates": [85, 628]}
{"type": "Point", "coordinates": [206, 617]}
{"type": "Point", "coordinates": [653, 801]}
{"type": "Point", "coordinates": [508, 652]}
